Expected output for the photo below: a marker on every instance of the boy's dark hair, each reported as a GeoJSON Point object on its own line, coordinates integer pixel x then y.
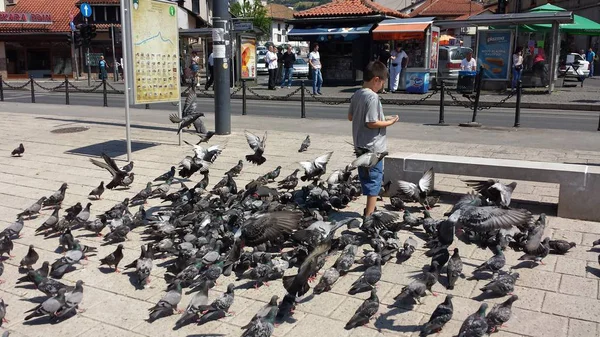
{"type": "Point", "coordinates": [375, 69]}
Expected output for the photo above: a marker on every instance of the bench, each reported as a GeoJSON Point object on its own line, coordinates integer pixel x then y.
{"type": "Point", "coordinates": [579, 194]}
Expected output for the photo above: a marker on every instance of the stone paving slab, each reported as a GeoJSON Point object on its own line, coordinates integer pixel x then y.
{"type": "Point", "coordinates": [559, 298]}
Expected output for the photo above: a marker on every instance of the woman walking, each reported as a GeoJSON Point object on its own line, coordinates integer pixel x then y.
{"type": "Point", "coordinates": [517, 68]}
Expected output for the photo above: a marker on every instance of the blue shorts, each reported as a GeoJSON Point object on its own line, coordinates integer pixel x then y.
{"type": "Point", "coordinates": [371, 179]}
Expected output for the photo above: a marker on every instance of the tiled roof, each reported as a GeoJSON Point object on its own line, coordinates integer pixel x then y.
{"type": "Point", "coordinates": [277, 11]}
{"type": "Point", "coordinates": [338, 8]}
{"type": "Point", "coordinates": [60, 10]}
{"type": "Point", "coordinates": [100, 2]}
{"type": "Point", "coordinates": [491, 9]}
{"type": "Point", "coordinates": [447, 8]}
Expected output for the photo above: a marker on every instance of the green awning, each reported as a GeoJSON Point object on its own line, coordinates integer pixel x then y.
{"type": "Point", "coordinates": [580, 25]}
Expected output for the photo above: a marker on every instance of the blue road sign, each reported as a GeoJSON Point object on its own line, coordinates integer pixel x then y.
{"type": "Point", "coordinates": [72, 25]}
{"type": "Point", "coordinates": [86, 10]}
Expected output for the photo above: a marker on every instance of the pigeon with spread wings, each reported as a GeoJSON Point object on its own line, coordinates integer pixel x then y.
{"type": "Point", "coordinates": [110, 165]}
{"type": "Point", "coordinates": [418, 192]}
{"type": "Point", "coordinates": [316, 168]}
{"type": "Point", "coordinates": [189, 114]}
{"type": "Point", "coordinates": [258, 146]}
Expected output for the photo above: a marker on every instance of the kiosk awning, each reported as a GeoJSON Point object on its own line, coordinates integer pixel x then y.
{"type": "Point", "coordinates": [399, 29]}
{"type": "Point", "coordinates": [300, 34]}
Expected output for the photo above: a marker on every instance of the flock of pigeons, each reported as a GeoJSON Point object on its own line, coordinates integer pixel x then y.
{"type": "Point", "coordinates": [264, 231]}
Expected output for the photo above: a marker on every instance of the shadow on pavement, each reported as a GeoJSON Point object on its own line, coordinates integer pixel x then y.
{"type": "Point", "coordinates": [113, 148]}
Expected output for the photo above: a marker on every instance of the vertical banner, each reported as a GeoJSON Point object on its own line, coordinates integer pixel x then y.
{"type": "Point", "coordinates": [435, 48]}
{"type": "Point", "coordinates": [155, 54]}
{"type": "Point", "coordinates": [248, 57]}
{"type": "Point", "coordinates": [494, 53]}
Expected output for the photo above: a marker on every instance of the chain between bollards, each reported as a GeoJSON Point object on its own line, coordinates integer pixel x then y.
{"type": "Point", "coordinates": [1, 89]}
{"type": "Point", "coordinates": [244, 112]}
{"type": "Point", "coordinates": [302, 100]}
{"type": "Point", "coordinates": [442, 102]}
{"type": "Point", "coordinates": [518, 106]}
{"type": "Point", "coordinates": [67, 102]}
{"type": "Point", "coordinates": [104, 92]}
{"type": "Point", "coordinates": [32, 90]}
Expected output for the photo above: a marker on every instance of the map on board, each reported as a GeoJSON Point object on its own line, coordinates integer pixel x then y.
{"type": "Point", "coordinates": [154, 32]}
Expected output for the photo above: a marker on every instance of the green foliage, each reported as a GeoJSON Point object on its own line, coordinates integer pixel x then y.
{"type": "Point", "coordinates": [254, 10]}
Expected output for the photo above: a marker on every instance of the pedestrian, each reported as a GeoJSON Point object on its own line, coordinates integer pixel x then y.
{"type": "Point", "coordinates": [468, 63]}
{"type": "Point", "coordinates": [271, 59]}
{"type": "Point", "coordinates": [288, 66]}
{"type": "Point", "coordinates": [369, 129]}
{"type": "Point", "coordinates": [103, 68]}
{"type": "Point", "coordinates": [195, 66]}
{"type": "Point", "coordinates": [384, 57]}
{"type": "Point", "coordinates": [314, 60]}
{"type": "Point", "coordinates": [517, 68]}
{"type": "Point", "coordinates": [591, 57]}
{"type": "Point", "coordinates": [539, 66]}
{"type": "Point", "coordinates": [211, 69]}
{"type": "Point", "coordinates": [279, 64]}
{"type": "Point", "coordinates": [397, 58]}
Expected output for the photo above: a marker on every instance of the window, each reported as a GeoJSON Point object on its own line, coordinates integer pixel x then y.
{"type": "Point", "coordinates": [105, 14]}
{"type": "Point", "coordinates": [111, 14]}
{"type": "Point", "coordinates": [196, 6]}
{"type": "Point", "coordinates": [279, 26]}
{"type": "Point", "coordinates": [278, 37]}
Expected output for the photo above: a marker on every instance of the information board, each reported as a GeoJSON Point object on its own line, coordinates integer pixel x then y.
{"type": "Point", "coordinates": [155, 51]}
{"type": "Point", "coordinates": [494, 53]}
{"type": "Point", "coordinates": [248, 57]}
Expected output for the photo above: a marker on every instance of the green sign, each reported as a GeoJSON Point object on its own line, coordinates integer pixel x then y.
{"type": "Point", "coordinates": [172, 11]}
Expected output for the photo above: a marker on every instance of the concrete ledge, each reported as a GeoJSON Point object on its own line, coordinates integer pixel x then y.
{"type": "Point", "coordinates": [578, 183]}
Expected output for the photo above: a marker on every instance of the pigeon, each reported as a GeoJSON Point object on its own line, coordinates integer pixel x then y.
{"type": "Point", "coordinates": [167, 304]}
{"type": "Point", "coordinates": [418, 288]}
{"type": "Point", "coordinates": [440, 316]}
{"type": "Point", "coordinates": [3, 312]}
{"type": "Point", "coordinates": [204, 137]}
{"type": "Point", "coordinates": [236, 170]}
{"type": "Point", "coordinates": [14, 229]}
{"type": "Point", "coordinates": [379, 220]}
{"type": "Point", "coordinates": [290, 182]}
{"type": "Point", "coordinates": [297, 285]}
{"type": "Point", "coordinates": [494, 263]}
{"type": "Point", "coordinates": [258, 146]}
{"type": "Point", "coordinates": [500, 314]}
{"type": "Point", "coordinates": [271, 176]}
{"type": "Point", "coordinates": [367, 159]}
{"type": "Point", "coordinates": [142, 196]}
{"type": "Point", "coordinates": [198, 302]}
{"type": "Point", "coordinates": [305, 144]}
{"type": "Point", "coordinates": [188, 112]}
{"type": "Point", "coordinates": [538, 254]}
{"type": "Point", "coordinates": [143, 267]}
{"type": "Point", "coordinates": [62, 265]}
{"type": "Point", "coordinates": [18, 151]}
{"type": "Point", "coordinates": [83, 216]}
{"type": "Point", "coordinates": [49, 307]}
{"type": "Point", "coordinates": [128, 180]}
{"type": "Point", "coordinates": [493, 190]}
{"type": "Point", "coordinates": [504, 284]}
{"type": "Point", "coordinates": [316, 168]}
{"type": "Point", "coordinates": [454, 269]}
{"type": "Point", "coordinates": [72, 299]}
{"type": "Point", "coordinates": [487, 218]}
{"type": "Point", "coordinates": [167, 175]}
{"type": "Point", "coordinates": [219, 307]}
{"type": "Point", "coordinates": [330, 276]}
{"type": "Point", "coordinates": [346, 259]}
{"type": "Point", "coordinates": [50, 222]}
{"type": "Point", "coordinates": [418, 192]}
{"type": "Point", "coordinates": [367, 280]}
{"type": "Point", "coordinates": [475, 325]}
{"type": "Point", "coordinates": [261, 228]}
{"type": "Point", "coordinates": [109, 164]}
{"type": "Point", "coordinates": [30, 259]}
{"type": "Point", "coordinates": [6, 245]}
{"type": "Point", "coordinates": [128, 168]}
{"type": "Point", "coordinates": [33, 209]}
{"type": "Point", "coordinates": [262, 327]}
{"type": "Point", "coordinates": [2, 271]}
{"type": "Point", "coordinates": [263, 312]}
{"type": "Point", "coordinates": [96, 226]}
{"type": "Point", "coordinates": [409, 219]}
{"type": "Point", "coordinates": [560, 246]}
{"type": "Point", "coordinates": [96, 193]}
{"type": "Point", "coordinates": [363, 314]}
{"type": "Point", "coordinates": [287, 306]}
{"type": "Point", "coordinates": [113, 258]}
{"type": "Point", "coordinates": [404, 253]}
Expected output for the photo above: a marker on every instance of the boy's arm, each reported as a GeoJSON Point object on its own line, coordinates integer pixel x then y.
{"type": "Point", "coordinates": [382, 124]}
{"type": "Point", "coordinates": [350, 116]}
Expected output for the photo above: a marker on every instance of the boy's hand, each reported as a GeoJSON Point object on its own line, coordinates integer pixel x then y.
{"type": "Point", "coordinates": [392, 119]}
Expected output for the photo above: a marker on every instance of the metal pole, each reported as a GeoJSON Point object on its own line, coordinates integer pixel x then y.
{"type": "Point", "coordinates": [115, 68]}
{"type": "Point", "coordinates": [32, 89]}
{"type": "Point", "coordinates": [1, 89]}
{"type": "Point", "coordinates": [553, 58]}
{"type": "Point", "coordinates": [518, 107]}
{"type": "Point", "coordinates": [89, 63]}
{"type": "Point", "coordinates": [221, 69]}
{"type": "Point", "coordinates": [125, 65]}
{"type": "Point", "coordinates": [442, 102]}
{"type": "Point", "coordinates": [302, 101]}
{"type": "Point", "coordinates": [104, 92]}
{"type": "Point", "coordinates": [67, 102]}
{"type": "Point", "coordinates": [147, 107]}
{"type": "Point", "coordinates": [244, 112]}
{"type": "Point", "coordinates": [477, 94]}
{"type": "Point", "coordinates": [74, 55]}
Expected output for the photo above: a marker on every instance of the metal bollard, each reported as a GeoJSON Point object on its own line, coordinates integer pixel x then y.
{"type": "Point", "coordinates": [104, 92]}
{"type": "Point", "coordinates": [1, 89]}
{"type": "Point", "coordinates": [443, 89]}
{"type": "Point", "coordinates": [147, 107]}
{"type": "Point", "coordinates": [302, 101]}
{"type": "Point", "coordinates": [518, 107]}
{"type": "Point", "coordinates": [244, 112]}
{"type": "Point", "coordinates": [477, 94]}
{"type": "Point", "coordinates": [67, 102]}
{"type": "Point", "coordinates": [32, 89]}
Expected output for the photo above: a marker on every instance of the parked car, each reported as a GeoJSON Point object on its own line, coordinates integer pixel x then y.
{"type": "Point", "coordinates": [300, 68]}
{"type": "Point", "coordinates": [579, 62]}
{"type": "Point", "coordinates": [261, 64]}
{"type": "Point", "coordinates": [450, 58]}
{"type": "Point", "coordinates": [260, 49]}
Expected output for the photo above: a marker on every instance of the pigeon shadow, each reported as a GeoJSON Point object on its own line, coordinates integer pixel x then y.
{"type": "Point", "coordinates": [106, 270]}
{"type": "Point", "coordinates": [306, 299]}
{"type": "Point", "coordinates": [488, 295]}
{"type": "Point", "coordinates": [593, 271]}
{"type": "Point", "coordinates": [385, 320]}
{"type": "Point", "coordinates": [133, 279]}
{"type": "Point", "coordinates": [29, 286]}
{"type": "Point", "coordinates": [23, 270]}
{"type": "Point", "coordinates": [594, 249]}
{"type": "Point", "coordinates": [88, 235]}
{"type": "Point", "coordinates": [248, 285]}
{"type": "Point", "coordinates": [37, 299]}
{"type": "Point", "coordinates": [526, 264]}
{"type": "Point", "coordinates": [480, 275]}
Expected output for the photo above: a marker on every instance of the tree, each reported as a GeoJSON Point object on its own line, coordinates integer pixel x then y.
{"type": "Point", "coordinates": [255, 10]}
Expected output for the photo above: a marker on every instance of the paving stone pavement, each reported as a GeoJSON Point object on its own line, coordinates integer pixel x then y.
{"type": "Point", "coordinates": [560, 298]}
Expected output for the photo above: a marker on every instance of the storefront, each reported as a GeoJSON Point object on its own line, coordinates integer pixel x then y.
{"type": "Point", "coordinates": [418, 37]}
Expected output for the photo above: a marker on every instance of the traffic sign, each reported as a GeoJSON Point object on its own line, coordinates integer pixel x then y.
{"type": "Point", "coordinates": [86, 10]}
{"type": "Point", "coordinates": [243, 26]}
{"type": "Point", "coordinates": [72, 25]}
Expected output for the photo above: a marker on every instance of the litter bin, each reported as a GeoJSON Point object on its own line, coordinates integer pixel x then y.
{"type": "Point", "coordinates": [466, 81]}
{"type": "Point", "coordinates": [417, 82]}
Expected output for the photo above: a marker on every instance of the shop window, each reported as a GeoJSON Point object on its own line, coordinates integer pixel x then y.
{"type": "Point", "coordinates": [279, 26]}
{"type": "Point", "coordinates": [112, 15]}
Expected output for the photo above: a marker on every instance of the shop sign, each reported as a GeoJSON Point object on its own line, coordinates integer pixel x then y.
{"type": "Point", "coordinates": [34, 18]}
{"type": "Point", "coordinates": [389, 36]}
{"type": "Point", "coordinates": [494, 53]}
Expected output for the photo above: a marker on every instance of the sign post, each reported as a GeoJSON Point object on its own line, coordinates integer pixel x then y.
{"type": "Point", "coordinates": [221, 69]}
{"type": "Point", "coordinates": [86, 11]}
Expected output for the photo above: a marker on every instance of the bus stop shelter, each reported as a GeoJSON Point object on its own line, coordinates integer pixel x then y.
{"type": "Point", "coordinates": [555, 19]}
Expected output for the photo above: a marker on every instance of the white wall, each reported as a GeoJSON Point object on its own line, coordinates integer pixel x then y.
{"type": "Point", "coordinates": [278, 31]}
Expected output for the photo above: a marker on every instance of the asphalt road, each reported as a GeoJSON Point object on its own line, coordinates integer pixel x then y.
{"type": "Point", "coordinates": [495, 117]}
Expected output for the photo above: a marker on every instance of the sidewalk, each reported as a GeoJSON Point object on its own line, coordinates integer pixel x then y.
{"type": "Point", "coordinates": [555, 300]}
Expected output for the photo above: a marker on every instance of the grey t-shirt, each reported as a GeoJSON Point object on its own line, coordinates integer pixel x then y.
{"type": "Point", "coordinates": [366, 108]}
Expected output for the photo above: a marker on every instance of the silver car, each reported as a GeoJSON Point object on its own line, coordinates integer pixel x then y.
{"type": "Point", "coordinates": [450, 58]}
{"type": "Point", "coordinates": [300, 68]}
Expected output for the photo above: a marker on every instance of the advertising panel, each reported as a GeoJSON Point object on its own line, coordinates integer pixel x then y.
{"type": "Point", "coordinates": [494, 53]}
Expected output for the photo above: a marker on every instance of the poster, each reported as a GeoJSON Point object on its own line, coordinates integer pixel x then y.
{"type": "Point", "coordinates": [494, 53]}
{"type": "Point", "coordinates": [248, 57]}
{"type": "Point", "coordinates": [155, 52]}
{"type": "Point", "coordinates": [435, 47]}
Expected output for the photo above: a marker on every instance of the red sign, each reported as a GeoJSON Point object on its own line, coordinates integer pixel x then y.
{"type": "Point", "coordinates": [9, 17]}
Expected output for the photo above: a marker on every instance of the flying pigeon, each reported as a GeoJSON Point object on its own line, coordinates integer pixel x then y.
{"type": "Point", "coordinates": [419, 192]}
{"type": "Point", "coordinates": [493, 190]}
{"type": "Point", "coordinates": [109, 164]}
{"type": "Point", "coordinates": [258, 146]}
{"type": "Point", "coordinates": [316, 168]}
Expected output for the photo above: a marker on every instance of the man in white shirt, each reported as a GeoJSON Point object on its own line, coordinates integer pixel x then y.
{"type": "Point", "coordinates": [469, 63]}
{"type": "Point", "coordinates": [314, 60]}
{"type": "Point", "coordinates": [397, 59]}
{"type": "Point", "coordinates": [272, 65]}
{"type": "Point", "coordinates": [211, 63]}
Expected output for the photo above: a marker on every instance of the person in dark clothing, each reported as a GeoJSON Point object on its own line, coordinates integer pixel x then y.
{"type": "Point", "coordinates": [288, 58]}
{"type": "Point", "coordinates": [384, 57]}
{"type": "Point", "coordinates": [280, 53]}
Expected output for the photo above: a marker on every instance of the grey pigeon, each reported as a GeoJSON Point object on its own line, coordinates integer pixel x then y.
{"type": "Point", "coordinates": [418, 288]}
{"type": "Point", "coordinates": [6, 246]}
{"type": "Point", "coordinates": [62, 265]}
{"type": "Point", "coordinates": [142, 196]}
{"type": "Point", "coordinates": [494, 263]}
{"type": "Point", "coordinates": [560, 246]}
{"type": "Point", "coordinates": [57, 197]}
{"type": "Point", "coordinates": [535, 234]}
{"type": "Point", "coordinates": [271, 176]}
{"type": "Point", "coordinates": [18, 151]}
{"type": "Point", "coordinates": [316, 168]}
{"type": "Point", "coordinates": [30, 259]}
{"type": "Point", "coordinates": [167, 175]}
{"type": "Point", "coordinates": [143, 267]}
{"type": "Point", "coordinates": [263, 312]}
{"type": "Point", "coordinates": [96, 193]}
{"type": "Point", "coordinates": [14, 229]}
{"type": "Point", "coordinates": [49, 307]}
{"type": "Point", "coordinates": [167, 304]}
{"type": "Point", "coordinates": [237, 169]}
{"type": "Point", "coordinates": [118, 175]}
{"type": "Point", "coordinates": [198, 303]}
{"type": "Point", "coordinates": [219, 307]}
{"type": "Point", "coordinates": [50, 222]}
{"type": "Point", "coordinates": [346, 259]}
{"type": "Point", "coordinates": [262, 327]}
{"type": "Point", "coordinates": [492, 189]}
{"type": "Point", "coordinates": [84, 215]}
{"type": "Point", "coordinates": [418, 192]}
{"type": "Point", "coordinates": [379, 220]}
{"type": "Point", "coordinates": [258, 146]}
{"type": "Point", "coordinates": [363, 314]}
{"type": "Point", "coordinates": [409, 247]}
{"type": "Point", "coordinates": [113, 258]}
{"type": "Point", "coordinates": [475, 325]}
{"type": "Point", "coordinates": [538, 254]}
{"type": "Point", "coordinates": [503, 284]}
{"type": "Point", "coordinates": [72, 299]}
{"type": "Point", "coordinates": [454, 269]}
{"type": "Point", "coordinates": [188, 112]}
{"type": "Point", "coordinates": [305, 144]}
{"type": "Point", "coordinates": [367, 280]}
{"type": "Point", "coordinates": [33, 209]}
{"type": "Point", "coordinates": [96, 226]}
{"type": "Point", "coordinates": [290, 182]}
{"type": "Point", "coordinates": [410, 220]}
{"type": "Point", "coordinates": [440, 316]}
{"type": "Point", "coordinates": [500, 314]}
{"type": "Point", "coordinates": [487, 218]}
{"type": "Point", "coordinates": [367, 159]}
{"type": "Point", "coordinates": [3, 312]}
{"type": "Point", "coordinates": [330, 276]}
